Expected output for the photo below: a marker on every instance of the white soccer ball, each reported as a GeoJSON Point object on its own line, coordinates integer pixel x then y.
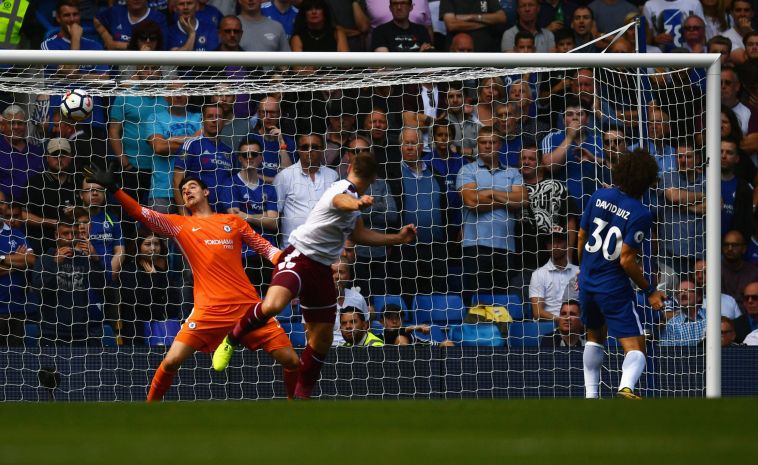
{"type": "Point", "coordinates": [76, 105]}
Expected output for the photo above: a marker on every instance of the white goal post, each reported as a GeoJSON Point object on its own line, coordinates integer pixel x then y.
{"type": "Point", "coordinates": [437, 64]}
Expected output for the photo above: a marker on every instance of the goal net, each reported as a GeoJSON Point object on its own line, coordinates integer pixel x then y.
{"type": "Point", "coordinates": [493, 163]}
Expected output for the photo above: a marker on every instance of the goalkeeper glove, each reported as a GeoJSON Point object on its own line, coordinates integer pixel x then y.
{"type": "Point", "coordinates": [105, 177]}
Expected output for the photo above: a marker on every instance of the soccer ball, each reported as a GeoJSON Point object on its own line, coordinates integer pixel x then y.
{"type": "Point", "coordinates": [76, 105]}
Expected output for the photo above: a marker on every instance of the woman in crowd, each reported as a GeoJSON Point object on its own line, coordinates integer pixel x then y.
{"type": "Point", "coordinates": [147, 291]}
{"type": "Point", "coordinates": [314, 30]}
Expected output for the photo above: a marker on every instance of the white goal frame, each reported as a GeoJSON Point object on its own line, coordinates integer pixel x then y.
{"type": "Point", "coordinates": [711, 61]}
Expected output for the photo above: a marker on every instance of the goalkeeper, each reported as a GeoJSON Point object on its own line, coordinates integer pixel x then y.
{"type": "Point", "coordinates": [305, 270]}
{"type": "Point", "coordinates": [212, 244]}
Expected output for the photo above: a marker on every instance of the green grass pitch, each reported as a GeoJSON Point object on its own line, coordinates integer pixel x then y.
{"type": "Point", "coordinates": [475, 432]}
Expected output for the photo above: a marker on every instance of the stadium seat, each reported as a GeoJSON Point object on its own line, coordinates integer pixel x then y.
{"type": "Point", "coordinates": [527, 333]}
{"type": "Point", "coordinates": [435, 335]}
{"type": "Point", "coordinates": [512, 302]}
{"type": "Point", "coordinates": [161, 333]}
{"type": "Point", "coordinates": [109, 337]}
{"type": "Point", "coordinates": [32, 334]}
{"type": "Point", "coordinates": [289, 314]}
{"type": "Point", "coordinates": [476, 334]}
{"type": "Point", "coordinates": [296, 333]}
{"type": "Point", "coordinates": [381, 300]}
{"type": "Point", "coordinates": [442, 309]}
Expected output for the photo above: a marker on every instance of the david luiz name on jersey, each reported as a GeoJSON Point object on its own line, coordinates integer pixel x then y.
{"type": "Point", "coordinates": [605, 205]}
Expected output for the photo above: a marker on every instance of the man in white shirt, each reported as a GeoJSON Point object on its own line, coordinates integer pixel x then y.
{"type": "Point", "coordinates": [302, 184]}
{"type": "Point", "coordinates": [550, 280]}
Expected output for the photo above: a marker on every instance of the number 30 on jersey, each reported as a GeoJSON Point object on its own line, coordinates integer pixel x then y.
{"type": "Point", "coordinates": [598, 241]}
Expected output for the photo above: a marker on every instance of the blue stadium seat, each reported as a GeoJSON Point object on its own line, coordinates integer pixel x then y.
{"type": "Point", "coordinates": [161, 333]}
{"type": "Point", "coordinates": [381, 300]}
{"type": "Point", "coordinates": [289, 314]}
{"type": "Point", "coordinates": [443, 309]}
{"type": "Point", "coordinates": [476, 334]}
{"type": "Point", "coordinates": [512, 302]}
{"type": "Point", "coordinates": [296, 333]}
{"type": "Point", "coordinates": [527, 333]}
{"type": "Point", "coordinates": [32, 334]}
{"type": "Point", "coordinates": [109, 337]}
{"type": "Point", "coordinates": [436, 334]}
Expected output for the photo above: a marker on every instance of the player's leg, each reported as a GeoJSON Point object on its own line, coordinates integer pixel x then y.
{"type": "Point", "coordinates": [290, 362]}
{"type": "Point", "coordinates": [320, 337]}
{"type": "Point", "coordinates": [634, 365]}
{"type": "Point", "coordinates": [277, 298]}
{"type": "Point", "coordinates": [594, 350]}
{"type": "Point", "coordinates": [164, 375]}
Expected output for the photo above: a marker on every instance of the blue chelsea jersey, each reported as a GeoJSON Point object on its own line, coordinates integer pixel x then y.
{"type": "Point", "coordinates": [116, 20]}
{"type": "Point", "coordinates": [211, 162]}
{"type": "Point", "coordinates": [206, 36]}
{"type": "Point", "coordinates": [610, 219]}
{"type": "Point", "coordinates": [254, 200]}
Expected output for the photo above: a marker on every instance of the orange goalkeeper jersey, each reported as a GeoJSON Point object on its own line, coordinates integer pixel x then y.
{"type": "Point", "coordinates": [213, 247]}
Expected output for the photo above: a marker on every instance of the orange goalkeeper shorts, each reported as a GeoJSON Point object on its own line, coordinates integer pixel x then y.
{"type": "Point", "coordinates": [206, 328]}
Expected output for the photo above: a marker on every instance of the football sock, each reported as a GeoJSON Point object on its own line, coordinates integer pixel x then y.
{"type": "Point", "coordinates": [253, 319]}
{"type": "Point", "coordinates": [593, 356]}
{"type": "Point", "coordinates": [290, 381]}
{"type": "Point", "coordinates": [310, 369]}
{"type": "Point", "coordinates": [161, 383]}
{"type": "Point", "coordinates": [634, 364]}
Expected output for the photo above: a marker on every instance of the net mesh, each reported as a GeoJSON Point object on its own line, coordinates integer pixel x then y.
{"type": "Point", "coordinates": [471, 309]}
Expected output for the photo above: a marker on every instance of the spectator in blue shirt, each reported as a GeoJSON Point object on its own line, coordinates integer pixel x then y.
{"type": "Point", "coordinates": [736, 193]}
{"type": "Point", "coordinates": [104, 228]}
{"type": "Point", "coordinates": [19, 160]}
{"type": "Point", "coordinates": [659, 138]}
{"type": "Point", "coordinates": [15, 258]}
{"type": "Point", "coordinates": [209, 13]}
{"type": "Point", "coordinates": [420, 199]}
{"type": "Point", "coordinates": [174, 125]}
{"type": "Point", "coordinates": [190, 32]}
{"type": "Point", "coordinates": [207, 158]}
{"type": "Point", "coordinates": [115, 24]}
{"type": "Point", "coordinates": [283, 12]}
{"type": "Point", "coordinates": [255, 202]}
{"type": "Point", "coordinates": [686, 326]}
{"type": "Point", "coordinates": [491, 192]}
{"type": "Point", "coordinates": [571, 153]}
{"type": "Point", "coordinates": [681, 220]}
{"type": "Point", "coordinates": [70, 38]}
{"type": "Point", "coordinates": [278, 148]}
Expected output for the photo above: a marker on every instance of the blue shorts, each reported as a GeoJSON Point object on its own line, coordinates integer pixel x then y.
{"type": "Point", "coordinates": [617, 310]}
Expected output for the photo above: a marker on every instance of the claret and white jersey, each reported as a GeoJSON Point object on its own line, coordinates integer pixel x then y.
{"type": "Point", "coordinates": [322, 237]}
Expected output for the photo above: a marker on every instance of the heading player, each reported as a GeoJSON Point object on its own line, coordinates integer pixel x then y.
{"type": "Point", "coordinates": [212, 244]}
{"type": "Point", "coordinates": [305, 270]}
{"type": "Point", "coordinates": [613, 226]}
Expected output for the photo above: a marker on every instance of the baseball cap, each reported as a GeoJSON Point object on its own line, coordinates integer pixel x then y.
{"type": "Point", "coordinates": [58, 144]}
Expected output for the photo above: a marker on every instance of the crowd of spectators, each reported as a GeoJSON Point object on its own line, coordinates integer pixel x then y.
{"type": "Point", "coordinates": [495, 172]}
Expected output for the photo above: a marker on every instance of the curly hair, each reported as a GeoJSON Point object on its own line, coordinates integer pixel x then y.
{"type": "Point", "coordinates": [635, 172]}
{"type": "Point", "coordinates": [146, 28]}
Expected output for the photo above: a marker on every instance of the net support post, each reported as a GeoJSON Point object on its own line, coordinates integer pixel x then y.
{"type": "Point", "coordinates": [713, 231]}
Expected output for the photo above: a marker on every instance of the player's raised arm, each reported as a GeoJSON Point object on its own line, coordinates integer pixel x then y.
{"type": "Point", "coordinates": [365, 236]}
{"type": "Point", "coordinates": [261, 246]}
{"type": "Point", "coordinates": [155, 221]}
{"type": "Point", "coordinates": [346, 202]}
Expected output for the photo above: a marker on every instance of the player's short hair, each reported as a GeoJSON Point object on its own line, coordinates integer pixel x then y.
{"type": "Point", "coordinates": [635, 172]}
{"type": "Point", "coordinates": [364, 166]}
{"type": "Point", "coordinates": [351, 309]}
{"type": "Point", "coordinates": [188, 179]}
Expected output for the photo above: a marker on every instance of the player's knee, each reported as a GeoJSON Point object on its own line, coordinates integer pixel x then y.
{"type": "Point", "coordinates": [290, 361]}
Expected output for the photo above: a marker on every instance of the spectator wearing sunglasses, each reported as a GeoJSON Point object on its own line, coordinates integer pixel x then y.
{"type": "Point", "coordinates": [750, 300]}
{"type": "Point", "coordinates": [255, 201]}
{"type": "Point", "coordinates": [301, 185]}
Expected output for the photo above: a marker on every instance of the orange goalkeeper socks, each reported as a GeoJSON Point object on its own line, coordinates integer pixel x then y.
{"type": "Point", "coordinates": [161, 383]}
